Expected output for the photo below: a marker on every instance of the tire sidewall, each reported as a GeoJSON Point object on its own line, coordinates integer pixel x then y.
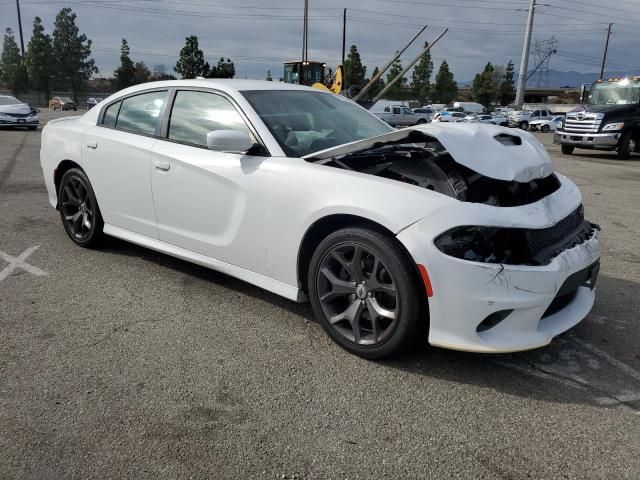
{"type": "Point", "coordinates": [624, 150]}
{"type": "Point", "coordinates": [96, 228]}
{"type": "Point", "coordinates": [398, 265]}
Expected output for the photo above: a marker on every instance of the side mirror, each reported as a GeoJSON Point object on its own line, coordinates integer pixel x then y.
{"type": "Point", "coordinates": [231, 141]}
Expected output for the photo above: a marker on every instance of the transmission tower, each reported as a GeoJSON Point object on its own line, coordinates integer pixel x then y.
{"type": "Point", "coordinates": [542, 51]}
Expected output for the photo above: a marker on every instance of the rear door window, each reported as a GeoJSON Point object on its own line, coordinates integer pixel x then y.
{"type": "Point", "coordinates": [142, 113]}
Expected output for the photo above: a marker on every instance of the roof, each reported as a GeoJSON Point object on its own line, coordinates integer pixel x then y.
{"type": "Point", "coordinates": [223, 84]}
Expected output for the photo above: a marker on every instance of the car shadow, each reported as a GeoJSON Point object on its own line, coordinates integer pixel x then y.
{"type": "Point", "coordinates": [560, 372]}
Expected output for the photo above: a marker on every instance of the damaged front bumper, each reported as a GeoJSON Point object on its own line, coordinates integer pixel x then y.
{"type": "Point", "coordinates": [487, 307]}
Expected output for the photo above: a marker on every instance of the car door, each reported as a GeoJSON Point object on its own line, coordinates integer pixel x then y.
{"type": "Point", "coordinates": [396, 116]}
{"type": "Point", "coordinates": [408, 117]}
{"type": "Point", "coordinates": [116, 155]}
{"type": "Point", "coordinates": [209, 202]}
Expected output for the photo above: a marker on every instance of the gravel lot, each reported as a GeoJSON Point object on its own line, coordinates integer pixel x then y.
{"type": "Point", "coordinates": [125, 363]}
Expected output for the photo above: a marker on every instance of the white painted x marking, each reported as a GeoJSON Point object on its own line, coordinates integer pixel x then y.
{"type": "Point", "coordinates": [19, 262]}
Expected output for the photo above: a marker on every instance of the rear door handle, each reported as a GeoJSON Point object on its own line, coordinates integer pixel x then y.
{"type": "Point", "coordinates": [160, 165]}
{"type": "Point", "coordinates": [92, 144]}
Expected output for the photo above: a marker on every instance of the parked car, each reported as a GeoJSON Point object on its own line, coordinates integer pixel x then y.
{"type": "Point", "coordinates": [288, 188]}
{"type": "Point", "coordinates": [546, 125]}
{"type": "Point", "coordinates": [401, 116]}
{"type": "Point", "coordinates": [522, 118]}
{"type": "Point", "coordinates": [447, 116]}
{"type": "Point", "coordinates": [487, 118]}
{"type": "Point", "coordinates": [468, 107]}
{"type": "Point", "coordinates": [428, 112]}
{"type": "Point", "coordinates": [62, 103]}
{"type": "Point", "coordinates": [93, 101]}
{"type": "Point", "coordinates": [14, 113]}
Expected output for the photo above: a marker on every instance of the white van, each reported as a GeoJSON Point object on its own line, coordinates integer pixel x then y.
{"type": "Point", "coordinates": [469, 107]}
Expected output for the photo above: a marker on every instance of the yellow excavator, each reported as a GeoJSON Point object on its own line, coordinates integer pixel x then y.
{"type": "Point", "coordinates": [314, 74]}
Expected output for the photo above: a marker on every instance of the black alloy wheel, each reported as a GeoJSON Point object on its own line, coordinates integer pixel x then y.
{"type": "Point", "coordinates": [364, 291]}
{"type": "Point", "coordinates": [79, 210]}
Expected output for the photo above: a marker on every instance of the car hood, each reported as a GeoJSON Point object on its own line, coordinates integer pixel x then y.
{"type": "Point", "coordinates": [17, 108]}
{"type": "Point", "coordinates": [474, 145]}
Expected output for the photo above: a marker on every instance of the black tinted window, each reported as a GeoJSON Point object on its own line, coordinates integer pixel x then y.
{"type": "Point", "coordinates": [141, 114]}
{"type": "Point", "coordinates": [110, 115]}
{"type": "Point", "coordinates": [194, 114]}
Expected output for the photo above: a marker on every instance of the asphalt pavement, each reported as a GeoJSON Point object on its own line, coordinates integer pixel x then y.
{"type": "Point", "coordinates": [126, 363]}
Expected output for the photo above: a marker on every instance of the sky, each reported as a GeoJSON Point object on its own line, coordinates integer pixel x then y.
{"type": "Point", "coordinates": [259, 35]}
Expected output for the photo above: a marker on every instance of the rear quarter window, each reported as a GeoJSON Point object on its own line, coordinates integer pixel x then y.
{"type": "Point", "coordinates": [111, 114]}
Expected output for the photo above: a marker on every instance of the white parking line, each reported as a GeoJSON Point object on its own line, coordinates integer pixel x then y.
{"type": "Point", "coordinates": [19, 262]}
{"type": "Point", "coordinates": [613, 361]}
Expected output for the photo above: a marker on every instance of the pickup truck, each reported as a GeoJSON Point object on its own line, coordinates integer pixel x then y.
{"type": "Point", "coordinates": [401, 116]}
{"type": "Point", "coordinates": [521, 119]}
{"type": "Point", "coordinates": [609, 119]}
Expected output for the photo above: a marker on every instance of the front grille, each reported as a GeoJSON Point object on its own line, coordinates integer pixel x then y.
{"type": "Point", "coordinates": [546, 243]}
{"type": "Point", "coordinates": [582, 123]}
{"type": "Point", "coordinates": [17, 115]}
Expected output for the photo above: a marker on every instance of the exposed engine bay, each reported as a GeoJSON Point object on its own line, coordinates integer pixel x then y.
{"type": "Point", "coordinates": [421, 160]}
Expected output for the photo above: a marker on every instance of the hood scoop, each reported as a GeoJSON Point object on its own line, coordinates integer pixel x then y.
{"type": "Point", "coordinates": [496, 152]}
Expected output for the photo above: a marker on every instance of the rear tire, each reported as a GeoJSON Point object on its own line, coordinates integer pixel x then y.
{"type": "Point", "coordinates": [366, 294]}
{"type": "Point", "coordinates": [422, 121]}
{"type": "Point", "coordinates": [567, 149]}
{"type": "Point", "coordinates": [79, 211]}
{"type": "Point", "coordinates": [626, 146]}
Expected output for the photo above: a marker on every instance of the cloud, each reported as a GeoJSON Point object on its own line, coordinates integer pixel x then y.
{"type": "Point", "coordinates": [259, 36]}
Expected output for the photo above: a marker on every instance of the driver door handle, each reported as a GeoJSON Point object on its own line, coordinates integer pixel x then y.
{"type": "Point", "coordinates": [92, 144]}
{"type": "Point", "coordinates": [160, 165]}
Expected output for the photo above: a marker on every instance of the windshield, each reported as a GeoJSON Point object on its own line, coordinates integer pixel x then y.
{"type": "Point", "coordinates": [624, 92]}
{"type": "Point", "coordinates": [66, 100]}
{"type": "Point", "coordinates": [9, 101]}
{"type": "Point", "coordinates": [304, 122]}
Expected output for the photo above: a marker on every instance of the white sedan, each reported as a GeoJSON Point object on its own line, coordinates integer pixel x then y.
{"type": "Point", "coordinates": [545, 126]}
{"type": "Point", "coordinates": [463, 234]}
{"type": "Point", "coordinates": [14, 113]}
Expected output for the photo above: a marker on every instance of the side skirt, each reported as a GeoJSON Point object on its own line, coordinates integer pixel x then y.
{"type": "Point", "coordinates": [279, 288]}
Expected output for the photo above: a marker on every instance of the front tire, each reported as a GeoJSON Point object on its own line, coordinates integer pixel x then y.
{"type": "Point", "coordinates": [365, 293]}
{"type": "Point", "coordinates": [545, 129]}
{"type": "Point", "coordinates": [626, 146]}
{"type": "Point", "coordinates": [567, 149]}
{"type": "Point", "coordinates": [79, 211]}
{"type": "Point", "coordinates": [524, 125]}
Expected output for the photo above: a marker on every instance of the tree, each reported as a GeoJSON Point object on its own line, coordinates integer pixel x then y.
{"type": "Point", "coordinates": [395, 92]}
{"type": "Point", "coordinates": [141, 73]}
{"type": "Point", "coordinates": [377, 86]}
{"type": "Point", "coordinates": [506, 93]}
{"type": "Point", "coordinates": [445, 88]}
{"type": "Point", "coordinates": [223, 69]}
{"type": "Point", "coordinates": [71, 54]}
{"type": "Point", "coordinates": [39, 59]}
{"type": "Point", "coordinates": [160, 73]}
{"type": "Point", "coordinates": [353, 69]}
{"type": "Point", "coordinates": [125, 73]}
{"type": "Point", "coordinates": [483, 88]}
{"type": "Point", "coordinates": [421, 77]}
{"type": "Point", "coordinates": [191, 63]}
{"type": "Point", "coordinates": [14, 71]}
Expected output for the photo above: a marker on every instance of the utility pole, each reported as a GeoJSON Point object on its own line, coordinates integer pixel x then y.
{"type": "Point", "coordinates": [606, 47]}
{"type": "Point", "coordinates": [20, 27]}
{"type": "Point", "coordinates": [344, 34]}
{"type": "Point", "coordinates": [524, 61]}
